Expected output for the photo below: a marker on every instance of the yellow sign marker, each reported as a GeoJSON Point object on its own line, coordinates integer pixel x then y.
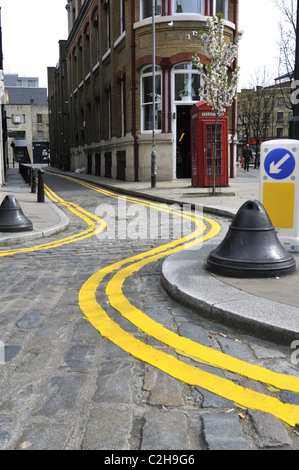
{"type": "Point", "coordinates": [279, 201]}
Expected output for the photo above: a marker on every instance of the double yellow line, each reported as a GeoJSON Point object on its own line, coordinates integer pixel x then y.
{"type": "Point", "coordinates": [95, 226]}
{"type": "Point", "coordinates": [169, 363]}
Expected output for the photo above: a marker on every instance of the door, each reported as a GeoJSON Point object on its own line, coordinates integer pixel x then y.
{"type": "Point", "coordinates": [183, 143]}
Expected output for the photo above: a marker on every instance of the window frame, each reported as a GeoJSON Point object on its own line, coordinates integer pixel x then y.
{"type": "Point", "coordinates": [201, 12]}
{"type": "Point", "coordinates": [225, 13]}
{"type": "Point", "coordinates": [184, 71]}
{"type": "Point", "coordinates": [141, 4]}
{"type": "Point", "coordinates": [147, 72]}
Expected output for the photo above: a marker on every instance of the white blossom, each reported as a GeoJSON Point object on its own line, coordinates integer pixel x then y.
{"type": "Point", "coordinates": [219, 88]}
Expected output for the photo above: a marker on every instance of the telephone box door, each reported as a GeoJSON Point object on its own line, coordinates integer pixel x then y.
{"type": "Point", "coordinates": [220, 164]}
{"type": "Point", "coordinates": [203, 133]}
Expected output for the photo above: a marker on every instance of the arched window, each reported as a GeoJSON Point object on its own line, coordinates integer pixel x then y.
{"type": "Point", "coordinates": [146, 9]}
{"type": "Point", "coordinates": [147, 99]}
{"type": "Point", "coordinates": [186, 83]}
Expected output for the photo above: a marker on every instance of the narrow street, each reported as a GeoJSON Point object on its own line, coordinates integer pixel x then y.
{"type": "Point", "coordinates": [85, 322]}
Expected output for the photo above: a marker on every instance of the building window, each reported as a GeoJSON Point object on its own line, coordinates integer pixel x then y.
{"type": "Point", "coordinates": [95, 38]}
{"type": "Point", "coordinates": [189, 6]}
{"type": "Point", "coordinates": [17, 135]}
{"type": "Point", "coordinates": [109, 116]}
{"type": "Point", "coordinates": [279, 117]}
{"type": "Point", "coordinates": [279, 132]}
{"type": "Point", "coordinates": [221, 6]}
{"type": "Point", "coordinates": [108, 27]}
{"type": "Point", "coordinates": [18, 118]}
{"type": "Point", "coordinates": [123, 107]}
{"type": "Point", "coordinates": [147, 99]}
{"type": "Point", "coordinates": [40, 135]}
{"type": "Point", "coordinates": [146, 9]}
{"type": "Point", "coordinates": [186, 83]}
{"type": "Point", "coordinates": [39, 119]}
{"type": "Point", "coordinates": [122, 7]}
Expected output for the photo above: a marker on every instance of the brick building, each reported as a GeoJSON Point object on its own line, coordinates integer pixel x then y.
{"type": "Point", "coordinates": [264, 113]}
{"type": "Point", "coordinates": [108, 108]}
{"type": "Point", "coordinates": [26, 106]}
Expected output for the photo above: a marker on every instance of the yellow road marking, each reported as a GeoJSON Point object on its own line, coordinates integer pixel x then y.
{"type": "Point", "coordinates": [174, 367]}
{"type": "Point", "coordinates": [95, 225]}
{"type": "Point", "coordinates": [183, 345]}
{"type": "Point", "coordinates": [98, 317]}
{"type": "Point", "coordinates": [165, 362]}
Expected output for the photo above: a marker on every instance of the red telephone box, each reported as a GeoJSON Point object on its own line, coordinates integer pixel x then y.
{"type": "Point", "coordinates": [202, 141]}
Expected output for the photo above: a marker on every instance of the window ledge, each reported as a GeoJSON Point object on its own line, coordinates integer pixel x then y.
{"type": "Point", "coordinates": [178, 17]}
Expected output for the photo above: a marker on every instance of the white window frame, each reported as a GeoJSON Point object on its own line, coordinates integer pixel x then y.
{"type": "Point", "coordinates": [225, 13]}
{"type": "Point", "coordinates": [202, 8]}
{"type": "Point", "coordinates": [145, 74]}
{"type": "Point", "coordinates": [18, 118]}
{"type": "Point", "coordinates": [141, 9]}
{"type": "Point", "coordinates": [181, 71]}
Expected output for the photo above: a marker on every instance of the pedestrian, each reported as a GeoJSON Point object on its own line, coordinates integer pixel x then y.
{"type": "Point", "coordinates": [247, 154]}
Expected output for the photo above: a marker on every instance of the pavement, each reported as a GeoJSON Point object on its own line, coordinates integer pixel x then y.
{"type": "Point", "coordinates": [267, 308]}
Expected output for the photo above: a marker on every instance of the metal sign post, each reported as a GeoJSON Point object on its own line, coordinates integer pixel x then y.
{"type": "Point", "coordinates": [154, 156]}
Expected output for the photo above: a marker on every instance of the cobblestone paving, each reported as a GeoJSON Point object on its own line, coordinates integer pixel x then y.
{"type": "Point", "coordinates": [64, 386]}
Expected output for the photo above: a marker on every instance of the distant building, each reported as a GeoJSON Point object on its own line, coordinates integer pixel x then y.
{"type": "Point", "coordinates": [26, 107]}
{"type": "Point", "coordinates": [264, 113]}
{"type": "Point", "coordinates": [58, 111]}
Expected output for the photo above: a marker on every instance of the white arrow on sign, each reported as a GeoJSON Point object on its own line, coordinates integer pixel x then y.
{"type": "Point", "coordinates": [275, 167]}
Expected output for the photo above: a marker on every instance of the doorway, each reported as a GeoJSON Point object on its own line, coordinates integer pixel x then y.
{"type": "Point", "coordinates": [183, 143]}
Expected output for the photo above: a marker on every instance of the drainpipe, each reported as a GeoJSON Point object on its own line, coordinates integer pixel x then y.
{"type": "Point", "coordinates": [234, 106]}
{"type": "Point", "coordinates": [133, 69]}
{"type": "Point", "coordinates": [206, 7]}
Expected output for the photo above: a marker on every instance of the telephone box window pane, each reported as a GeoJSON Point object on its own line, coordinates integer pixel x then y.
{"type": "Point", "coordinates": [210, 134]}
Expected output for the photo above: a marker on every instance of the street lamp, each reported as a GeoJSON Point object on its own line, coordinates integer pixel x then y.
{"type": "Point", "coordinates": [294, 123]}
{"type": "Point", "coordinates": [154, 156]}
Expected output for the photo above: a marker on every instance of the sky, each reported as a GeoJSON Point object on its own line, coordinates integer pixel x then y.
{"type": "Point", "coordinates": [31, 30]}
{"type": "Point", "coordinates": [258, 19]}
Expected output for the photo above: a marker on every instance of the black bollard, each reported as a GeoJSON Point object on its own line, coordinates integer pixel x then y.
{"type": "Point", "coordinates": [40, 187]}
{"type": "Point", "coordinates": [12, 218]}
{"type": "Point", "coordinates": [28, 175]}
{"type": "Point", "coordinates": [251, 247]}
{"type": "Point", "coordinates": [33, 180]}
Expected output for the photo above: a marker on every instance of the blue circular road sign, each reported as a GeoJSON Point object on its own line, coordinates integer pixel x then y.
{"type": "Point", "coordinates": [279, 163]}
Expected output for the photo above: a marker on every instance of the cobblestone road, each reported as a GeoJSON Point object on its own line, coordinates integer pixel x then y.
{"type": "Point", "coordinates": [64, 386]}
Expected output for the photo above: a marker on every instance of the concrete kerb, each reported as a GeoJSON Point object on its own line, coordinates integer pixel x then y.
{"type": "Point", "coordinates": [187, 281]}
{"type": "Point", "coordinates": [149, 194]}
{"type": "Point", "coordinates": [10, 238]}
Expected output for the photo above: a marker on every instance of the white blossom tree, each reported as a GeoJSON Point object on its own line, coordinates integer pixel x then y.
{"type": "Point", "coordinates": [219, 87]}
